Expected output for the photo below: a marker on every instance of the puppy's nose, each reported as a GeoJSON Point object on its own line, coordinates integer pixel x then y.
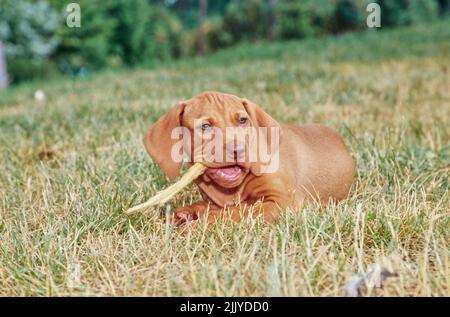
{"type": "Point", "coordinates": [236, 152]}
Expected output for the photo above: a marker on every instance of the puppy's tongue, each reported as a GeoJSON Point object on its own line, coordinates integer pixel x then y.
{"type": "Point", "coordinates": [229, 172]}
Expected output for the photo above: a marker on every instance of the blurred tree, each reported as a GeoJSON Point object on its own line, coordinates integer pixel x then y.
{"type": "Point", "coordinates": [420, 11]}
{"type": "Point", "coordinates": [201, 41]}
{"type": "Point", "coordinates": [3, 73]}
{"type": "Point", "coordinates": [136, 32]}
{"type": "Point", "coordinates": [393, 12]}
{"type": "Point", "coordinates": [144, 32]}
{"type": "Point", "coordinates": [403, 12]}
{"type": "Point", "coordinates": [187, 10]}
{"type": "Point", "coordinates": [272, 19]}
{"type": "Point", "coordinates": [118, 32]}
{"type": "Point", "coordinates": [89, 46]}
{"type": "Point", "coordinates": [347, 16]}
{"type": "Point", "coordinates": [247, 20]}
{"type": "Point", "coordinates": [216, 36]}
{"type": "Point", "coordinates": [27, 30]}
{"type": "Point", "coordinates": [217, 7]}
{"type": "Point", "coordinates": [298, 19]}
{"type": "Point", "coordinates": [444, 6]}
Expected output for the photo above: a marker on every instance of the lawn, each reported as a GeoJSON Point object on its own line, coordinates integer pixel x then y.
{"type": "Point", "coordinates": [70, 166]}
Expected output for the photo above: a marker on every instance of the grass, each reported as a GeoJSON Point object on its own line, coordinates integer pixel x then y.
{"type": "Point", "coordinates": [71, 165]}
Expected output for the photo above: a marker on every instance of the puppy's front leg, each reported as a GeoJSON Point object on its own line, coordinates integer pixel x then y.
{"type": "Point", "coordinates": [182, 215]}
{"type": "Point", "coordinates": [268, 210]}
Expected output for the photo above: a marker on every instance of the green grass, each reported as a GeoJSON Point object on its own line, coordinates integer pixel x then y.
{"type": "Point", "coordinates": [71, 165]}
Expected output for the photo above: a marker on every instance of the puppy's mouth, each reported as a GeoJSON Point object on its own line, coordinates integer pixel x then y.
{"type": "Point", "coordinates": [226, 175]}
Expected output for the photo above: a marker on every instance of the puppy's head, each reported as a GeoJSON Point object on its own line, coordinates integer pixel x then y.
{"type": "Point", "coordinates": [218, 130]}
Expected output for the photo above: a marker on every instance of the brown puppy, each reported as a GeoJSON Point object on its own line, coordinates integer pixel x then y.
{"type": "Point", "coordinates": [313, 163]}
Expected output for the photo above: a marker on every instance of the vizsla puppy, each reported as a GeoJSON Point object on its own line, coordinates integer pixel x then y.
{"type": "Point", "coordinates": [312, 161]}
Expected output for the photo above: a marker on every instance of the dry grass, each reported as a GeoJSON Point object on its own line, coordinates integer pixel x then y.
{"type": "Point", "coordinates": [71, 165]}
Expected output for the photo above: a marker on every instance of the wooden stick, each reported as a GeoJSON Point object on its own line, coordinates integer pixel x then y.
{"type": "Point", "coordinates": [166, 194]}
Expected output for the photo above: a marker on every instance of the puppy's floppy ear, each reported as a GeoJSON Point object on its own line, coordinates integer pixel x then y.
{"type": "Point", "coordinates": [260, 118]}
{"type": "Point", "coordinates": [158, 141]}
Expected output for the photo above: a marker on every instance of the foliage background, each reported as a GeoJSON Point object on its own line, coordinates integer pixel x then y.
{"type": "Point", "coordinates": [129, 33]}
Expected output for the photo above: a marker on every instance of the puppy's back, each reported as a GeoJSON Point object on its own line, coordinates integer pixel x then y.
{"type": "Point", "coordinates": [321, 160]}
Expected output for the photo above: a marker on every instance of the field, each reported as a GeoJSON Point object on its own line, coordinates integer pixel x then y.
{"type": "Point", "coordinates": [70, 165]}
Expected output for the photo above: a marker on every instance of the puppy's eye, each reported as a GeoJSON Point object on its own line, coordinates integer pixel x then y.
{"type": "Point", "coordinates": [243, 120]}
{"type": "Point", "coordinates": [206, 127]}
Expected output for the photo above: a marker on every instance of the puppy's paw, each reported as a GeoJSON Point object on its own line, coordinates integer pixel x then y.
{"type": "Point", "coordinates": [183, 215]}
{"type": "Point", "coordinates": [188, 227]}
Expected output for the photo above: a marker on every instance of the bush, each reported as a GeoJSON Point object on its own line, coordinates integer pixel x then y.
{"type": "Point", "coordinates": [420, 11]}
{"type": "Point", "coordinates": [135, 32]}
{"type": "Point", "coordinates": [186, 43]}
{"type": "Point", "coordinates": [444, 6]}
{"type": "Point", "coordinates": [28, 31]}
{"type": "Point", "coordinates": [118, 32]}
{"type": "Point", "coordinates": [145, 32]}
{"type": "Point", "coordinates": [216, 35]}
{"type": "Point", "coordinates": [23, 69]}
{"type": "Point", "coordinates": [89, 46]}
{"type": "Point", "coordinates": [347, 16]}
{"type": "Point", "coordinates": [306, 18]}
{"type": "Point", "coordinates": [165, 31]}
{"type": "Point", "coordinates": [403, 12]}
{"type": "Point", "coordinates": [247, 20]}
